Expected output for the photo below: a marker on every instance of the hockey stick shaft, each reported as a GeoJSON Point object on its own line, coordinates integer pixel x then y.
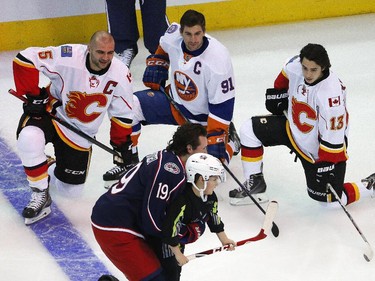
{"type": "Point", "coordinates": [71, 127]}
{"type": "Point", "coordinates": [268, 220]}
{"type": "Point", "coordinates": [275, 229]}
{"type": "Point", "coordinates": [369, 253]}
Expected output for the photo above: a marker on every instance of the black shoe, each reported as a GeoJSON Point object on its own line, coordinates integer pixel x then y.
{"type": "Point", "coordinates": [257, 188]}
{"type": "Point", "coordinates": [369, 181]}
{"type": "Point", "coordinates": [113, 175]}
{"type": "Point", "coordinates": [108, 278]}
{"type": "Point", "coordinates": [127, 56]}
{"type": "Point", "coordinates": [38, 207]}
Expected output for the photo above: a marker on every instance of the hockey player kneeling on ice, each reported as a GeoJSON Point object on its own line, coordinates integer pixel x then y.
{"type": "Point", "coordinates": [190, 212]}
{"type": "Point", "coordinates": [202, 87]}
{"type": "Point", "coordinates": [309, 116]}
{"type": "Point", "coordinates": [87, 82]}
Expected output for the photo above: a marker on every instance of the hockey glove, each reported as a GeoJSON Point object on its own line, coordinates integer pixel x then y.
{"type": "Point", "coordinates": [191, 232]}
{"type": "Point", "coordinates": [216, 144]}
{"type": "Point", "coordinates": [276, 100]}
{"type": "Point", "coordinates": [325, 173]}
{"type": "Point", "coordinates": [156, 72]}
{"type": "Point", "coordinates": [36, 105]}
{"type": "Point", "coordinates": [125, 157]}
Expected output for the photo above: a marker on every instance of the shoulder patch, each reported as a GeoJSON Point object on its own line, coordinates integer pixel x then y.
{"type": "Point", "coordinates": [151, 158]}
{"type": "Point", "coordinates": [172, 28]}
{"type": "Point", "coordinates": [172, 168]}
{"type": "Point", "coordinates": [66, 51]}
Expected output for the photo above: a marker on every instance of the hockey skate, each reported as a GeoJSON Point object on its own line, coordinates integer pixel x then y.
{"type": "Point", "coordinates": [113, 175]}
{"type": "Point", "coordinates": [233, 136]}
{"type": "Point", "coordinates": [39, 206]}
{"type": "Point", "coordinates": [257, 188]}
{"type": "Point", "coordinates": [127, 56]}
{"type": "Point", "coordinates": [369, 182]}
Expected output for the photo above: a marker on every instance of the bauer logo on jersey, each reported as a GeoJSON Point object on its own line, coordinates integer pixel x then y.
{"type": "Point", "coordinates": [172, 168]}
{"type": "Point", "coordinates": [66, 51]}
{"type": "Point", "coordinates": [185, 86]}
{"type": "Point", "coordinates": [334, 101]}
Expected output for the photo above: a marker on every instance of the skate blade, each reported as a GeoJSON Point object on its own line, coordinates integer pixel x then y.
{"type": "Point", "coordinates": [260, 197]}
{"type": "Point", "coordinates": [108, 184]}
{"type": "Point", "coordinates": [45, 212]}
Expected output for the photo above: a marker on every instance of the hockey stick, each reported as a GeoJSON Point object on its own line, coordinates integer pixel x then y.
{"type": "Point", "coordinates": [369, 253]}
{"type": "Point", "coordinates": [275, 229]}
{"type": "Point", "coordinates": [267, 224]}
{"type": "Point", "coordinates": [71, 127]}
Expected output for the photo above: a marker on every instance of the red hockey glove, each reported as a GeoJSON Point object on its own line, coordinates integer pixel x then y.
{"type": "Point", "coordinates": [191, 232]}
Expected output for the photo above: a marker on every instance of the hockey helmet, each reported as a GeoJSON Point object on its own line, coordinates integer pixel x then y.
{"type": "Point", "coordinates": [205, 165]}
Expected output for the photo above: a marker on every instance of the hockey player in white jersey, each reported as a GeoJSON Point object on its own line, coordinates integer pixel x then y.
{"type": "Point", "coordinates": [86, 83]}
{"type": "Point", "coordinates": [309, 116]}
{"type": "Point", "coordinates": [202, 86]}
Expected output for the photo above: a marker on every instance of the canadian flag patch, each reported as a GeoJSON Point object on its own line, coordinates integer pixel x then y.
{"type": "Point", "coordinates": [334, 101]}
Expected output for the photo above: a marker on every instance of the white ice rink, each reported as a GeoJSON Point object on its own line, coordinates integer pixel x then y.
{"type": "Point", "coordinates": [315, 243]}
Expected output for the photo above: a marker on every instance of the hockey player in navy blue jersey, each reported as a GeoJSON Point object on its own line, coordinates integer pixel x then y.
{"type": "Point", "coordinates": [131, 213]}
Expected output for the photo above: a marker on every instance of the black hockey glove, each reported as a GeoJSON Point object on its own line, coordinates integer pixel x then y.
{"type": "Point", "coordinates": [325, 173]}
{"type": "Point", "coordinates": [156, 72]}
{"type": "Point", "coordinates": [125, 157]}
{"type": "Point", "coordinates": [36, 105]}
{"type": "Point", "coordinates": [276, 100]}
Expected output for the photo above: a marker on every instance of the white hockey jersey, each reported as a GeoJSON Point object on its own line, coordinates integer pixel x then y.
{"type": "Point", "coordinates": [317, 114]}
{"type": "Point", "coordinates": [85, 95]}
{"type": "Point", "coordinates": [203, 83]}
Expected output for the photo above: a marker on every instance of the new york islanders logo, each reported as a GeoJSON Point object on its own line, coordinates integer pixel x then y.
{"type": "Point", "coordinates": [85, 107]}
{"type": "Point", "coordinates": [185, 86]}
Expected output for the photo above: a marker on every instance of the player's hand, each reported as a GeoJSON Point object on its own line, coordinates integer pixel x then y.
{"type": "Point", "coordinates": [124, 154]}
{"type": "Point", "coordinates": [217, 144]}
{"type": "Point", "coordinates": [325, 173]}
{"type": "Point", "coordinates": [277, 100]}
{"type": "Point", "coordinates": [156, 72]}
{"type": "Point", "coordinates": [36, 104]}
{"type": "Point", "coordinates": [181, 259]}
{"type": "Point", "coordinates": [191, 232]}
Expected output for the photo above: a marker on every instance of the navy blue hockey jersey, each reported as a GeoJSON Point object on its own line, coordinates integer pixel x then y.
{"type": "Point", "coordinates": [138, 203]}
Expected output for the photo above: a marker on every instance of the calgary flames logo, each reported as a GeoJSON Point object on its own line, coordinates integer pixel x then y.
{"type": "Point", "coordinates": [185, 86]}
{"type": "Point", "coordinates": [303, 113]}
{"type": "Point", "coordinates": [85, 107]}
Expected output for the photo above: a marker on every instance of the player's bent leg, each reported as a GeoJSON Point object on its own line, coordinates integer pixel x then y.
{"type": "Point", "coordinates": [251, 156]}
{"type": "Point", "coordinates": [130, 254]}
{"type": "Point", "coordinates": [35, 164]}
{"type": "Point", "coordinates": [150, 107]}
